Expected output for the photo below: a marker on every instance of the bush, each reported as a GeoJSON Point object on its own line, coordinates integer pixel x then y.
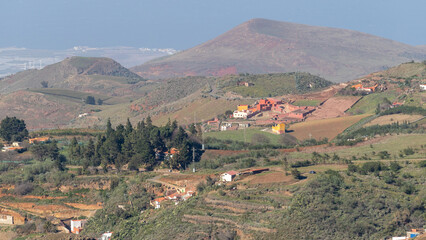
{"type": "Point", "coordinates": [259, 139]}
{"type": "Point", "coordinates": [408, 151]}
{"type": "Point", "coordinates": [23, 189]}
{"type": "Point", "coordinates": [384, 155]}
{"type": "Point", "coordinates": [394, 166]}
{"type": "Point", "coordinates": [352, 168]}
{"type": "Point", "coordinates": [26, 229]}
{"type": "Point", "coordinates": [301, 164]}
{"type": "Point", "coordinates": [296, 174]}
{"type": "Point", "coordinates": [248, 162]}
{"type": "Point", "coordinates": [371, 167]}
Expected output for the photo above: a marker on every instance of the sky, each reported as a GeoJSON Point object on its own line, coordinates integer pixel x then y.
{"type": "Point", "coordinates": [182, 24]}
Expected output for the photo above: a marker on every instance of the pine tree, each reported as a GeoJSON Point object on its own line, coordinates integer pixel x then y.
{"type": "Point", "coordinates": [129, 127]}
{"type": "Point", "coordinates": [109, 130]}
{"type": "Point", "coordinates": [149, 122]}
{"type": "Point", "coordinates": [89, 152]}
{"type": "Point", "coordinates": [192, 129]}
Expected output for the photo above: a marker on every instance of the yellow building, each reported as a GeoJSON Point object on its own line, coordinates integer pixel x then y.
{"type": "Point", "coordinates": [279, 128]}
{"type": "Point", "coordinates": [242, 108]}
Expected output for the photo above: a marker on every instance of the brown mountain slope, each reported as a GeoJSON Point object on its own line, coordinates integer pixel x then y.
{"type": "Point", "coordinates": [38, 110]}
{"type": "Point", "coordinates": [99, 75]}
{"type": "Point", "coordinates": [265, 46]}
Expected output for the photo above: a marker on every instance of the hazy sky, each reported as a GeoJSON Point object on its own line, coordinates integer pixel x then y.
{"type": "Point", "coordinates": [181, 24]}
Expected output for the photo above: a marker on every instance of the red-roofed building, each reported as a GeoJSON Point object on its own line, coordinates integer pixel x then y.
{"type": "Point", "coordinates": [77, 226]}
{"type": "Point", "coordinates": [156, 203]}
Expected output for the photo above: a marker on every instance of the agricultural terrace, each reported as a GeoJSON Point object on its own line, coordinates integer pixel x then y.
{"type": "Point", "coordinates": [307, 102]}
{"type": "Point", "coordinates": [389, 119]}
{"type": "Point", "coordinates": [396, 147]}
{"type": "Point", "coordinates": [244, 135]}
{"type": "Point", "coordinates": [323, 128]}
{"type": "Point", "coordinates": [204, 109]}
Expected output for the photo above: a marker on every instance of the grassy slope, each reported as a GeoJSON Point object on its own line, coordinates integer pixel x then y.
{"type": "Point", "coordinates": [239, 135]}
{"type": "Point", "coordinates": [406, 70]}
{"type": "Point", "coordinates": [318, 129]}
{"type": "Point", "coordinates": [393, 145]}
{"type": "Point", "coordinates": [389, 119]}
{"type": "Point", "coordinates": [368, 104]}
{"type": "Point", "coordinates": [307, 102]}
{"type": "Point", "coordinates": [69, 95]}
{"type": "Point", "coordinates": [204, 109]}
{"type": "Point", "coordinates": [271, 85]}
{"type": "Point", "coordinates": [324, 128]}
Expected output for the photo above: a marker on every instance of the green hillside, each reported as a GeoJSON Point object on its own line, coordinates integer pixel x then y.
{"type": "Point", "coordinates": [271, 85]}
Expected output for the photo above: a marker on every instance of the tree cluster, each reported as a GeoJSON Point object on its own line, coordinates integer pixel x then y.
{"type": "Point", "coordinates": [13, 129]}
{"type": "Point", "coordinates": [44, 151]}
{"type": "Point", "coordinates": [144, 145]}
{"type": "Point", "coordinates": [92, 100]}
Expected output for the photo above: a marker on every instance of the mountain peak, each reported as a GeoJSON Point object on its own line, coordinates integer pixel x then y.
{"type": "Point", "coordinates": [74, 73]}
{"type": "Point", "coordinates": [267, 46]}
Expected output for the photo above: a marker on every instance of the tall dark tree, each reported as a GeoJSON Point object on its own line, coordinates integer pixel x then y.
{"type": "Point", "coordinates": [179, 137]}
{"type": "Point", "coordinates": [13, 129]}
{"type": "Point", "coordinates": [89, 152]}
{"type": "Point", "coordinates": [149, 122]}
{"type": "Point", "coordinates": [129, 127]}
{"type": "Point", "coordinates": [192, 129]}
{"type": "Point", "coordinates": [156, 140]}
{"type": "Point", "coordinates": [44, 84]}
{"type": "Point", "coordinates": [183, 157]}
{"type": "Point", "coordinates": [74, 151]}
{"type": "Point", "coordinates": [90, 100]}
{"type": "Point", "coordinates": [109, 130]}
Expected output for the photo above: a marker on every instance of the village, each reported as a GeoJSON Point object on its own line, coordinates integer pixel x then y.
{"type": "Point", "coordinates": [265, 112]}
{"type": "Point", "coordinates": [270, 112]}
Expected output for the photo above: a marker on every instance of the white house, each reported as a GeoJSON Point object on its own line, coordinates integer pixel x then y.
{"type": "Point", "coordinates": [77, 226]}
{"type": "Point", "coordinates": [423, 87]}
{"type": "Point", "coordinates": [228, 176]}
{"type": "Point", "coordinates": [240, 114]}
{"type": "Point", "coordinates": [6, 219]}
{"type": "Point", "coordinates": [106, 236]}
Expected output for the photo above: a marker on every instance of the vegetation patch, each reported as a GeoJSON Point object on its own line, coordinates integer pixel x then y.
{"type": "Point", "coordinates": [271, 85]}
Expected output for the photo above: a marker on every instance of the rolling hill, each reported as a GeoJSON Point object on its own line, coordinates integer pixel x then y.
{"type": "Point", "coordinates": [98, 75]}
{"type": "Point", "coordinates": [265, 46]}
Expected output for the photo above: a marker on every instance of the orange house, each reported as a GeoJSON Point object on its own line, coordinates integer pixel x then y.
{"type": "Point", "coordinates": [242, 108]}
{"type": "Point", "coordinates": [39, 140]}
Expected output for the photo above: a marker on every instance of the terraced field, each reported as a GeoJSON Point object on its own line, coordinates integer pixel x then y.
{"type": "Point", "coordinates": [388, 119]}
{"type": "Point", "coordinates": [323, 128]}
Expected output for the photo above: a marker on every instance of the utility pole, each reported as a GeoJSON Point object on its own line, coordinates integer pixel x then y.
{"type": "Point", "coordinates": [193, 150]}
{"type": "Point", "coordinates": [193, 159]}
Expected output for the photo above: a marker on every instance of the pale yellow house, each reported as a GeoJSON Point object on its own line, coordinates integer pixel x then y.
{"type": "Point", "coordinates": [279, 128]}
